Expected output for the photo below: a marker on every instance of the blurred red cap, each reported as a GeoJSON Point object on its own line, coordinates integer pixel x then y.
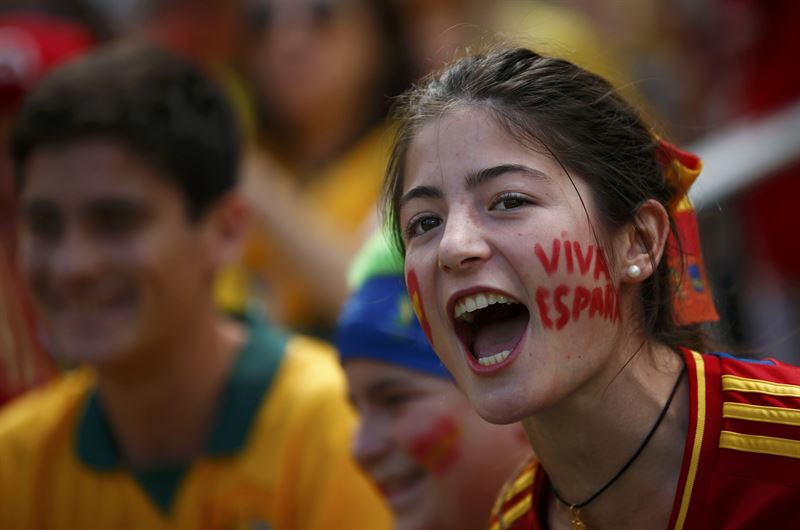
{"type": "Point", "coordinates": [32, 44]}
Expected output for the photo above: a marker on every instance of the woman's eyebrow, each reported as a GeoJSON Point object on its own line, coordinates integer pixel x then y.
{"type": "Point", "coordinates": [482, 176]}
{"type": "Point", "coordinates": [421, 192]}
{"type": "Point", "coordinates": [386, 384]}
{"type": "Point", "coordinates": [474, 180]}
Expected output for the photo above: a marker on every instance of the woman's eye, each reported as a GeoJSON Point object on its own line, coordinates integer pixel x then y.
{"type": "Point", "coordinates": [421, 225]}
{"type": "Point", "coordinates": [46, 227]}
{"type": "Point", "coordinates": [394, 401]}
{"type": "Point", "coordinates": [510, 202]}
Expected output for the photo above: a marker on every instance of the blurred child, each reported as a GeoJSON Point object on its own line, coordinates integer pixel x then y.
{"type": "Point", "coordinates": [321, 75]}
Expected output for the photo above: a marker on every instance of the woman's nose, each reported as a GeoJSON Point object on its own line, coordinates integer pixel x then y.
{"type": "Point", "coordinates": [75, 258]}
{"type": "Point", "coordinates": [371, 441]}
{"type": "Point", "coordinates": [463, 244]}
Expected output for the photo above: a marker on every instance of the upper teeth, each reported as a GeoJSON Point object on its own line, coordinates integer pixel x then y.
{"type": "Point", "coordinates": [468, 304]}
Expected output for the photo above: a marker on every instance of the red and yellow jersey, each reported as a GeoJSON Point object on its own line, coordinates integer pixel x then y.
{"type": "Point", "coordinates": [514, 508]}
{"type": "Point", "coordinates": [277, 457]}
{"type": "Point", "coordinates": [741, 464]}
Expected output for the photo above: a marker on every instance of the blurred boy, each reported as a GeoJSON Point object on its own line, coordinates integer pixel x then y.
{"type": "Point", "coordinates": [179, 417]}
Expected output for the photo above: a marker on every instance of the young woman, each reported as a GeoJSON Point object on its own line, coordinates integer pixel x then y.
{"type": "Point", "coordinates": [537, 213]}
{"type": "Point", "coordinates": [436, 462]}
{"type": "Point", "coordinates": [320, 73]}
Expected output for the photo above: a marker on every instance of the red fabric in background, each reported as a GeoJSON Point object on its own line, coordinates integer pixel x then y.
{"type": "Point", "coordinates": [31, 45]}
{"type": "Point", "coordinates": [765, 209]}
{"type": "Point", "coordinates": [770, 79]}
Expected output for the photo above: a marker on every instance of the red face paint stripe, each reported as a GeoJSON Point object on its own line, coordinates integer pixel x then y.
{"type": "Point", "coordinates": [412, 284]}
{"type": "Point", "coordinates": [542, 295]}
{"type": "Point", "coordinates": [550, 265]}
{"type": "Point", "coordinates": [584, 262]}
{"type": "Point", "coordinates": [437, 449]}
{"type": "Point", "coordinates": [563, 311]}
{"type": "Point", "coordinates": [580, 301]}
{"type": "Point", "coordinates": [568, 252]}
{"type": "Point", "coordinates": [601, 266]}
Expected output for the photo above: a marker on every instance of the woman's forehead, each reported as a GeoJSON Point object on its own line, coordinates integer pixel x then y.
{"type": "Point", "coordinates": [465, 142]}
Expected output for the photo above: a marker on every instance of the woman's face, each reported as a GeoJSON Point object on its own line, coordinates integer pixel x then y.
{"type": "Point", "coordinates": [505, 268]}
{"type": "Point", "coordinates": [437, 463]}
{"type": "Point", "coordinates": [309, 55]}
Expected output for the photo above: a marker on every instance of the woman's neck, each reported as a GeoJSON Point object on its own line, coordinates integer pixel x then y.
{"type": "Point", "coordinates": [586, 440]}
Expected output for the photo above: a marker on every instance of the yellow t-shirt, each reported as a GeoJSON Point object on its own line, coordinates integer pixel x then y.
{"type": "Point", "coordinates": [278, 457]}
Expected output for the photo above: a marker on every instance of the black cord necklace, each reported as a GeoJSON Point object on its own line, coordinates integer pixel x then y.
{"type": "Point", "coordinates": [577, 523]}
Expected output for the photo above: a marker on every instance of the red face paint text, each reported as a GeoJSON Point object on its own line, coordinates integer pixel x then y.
{"type": "Point", "coordinates": [565, 303]}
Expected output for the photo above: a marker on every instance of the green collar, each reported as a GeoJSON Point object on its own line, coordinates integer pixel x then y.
{"type": "Point", "coordinates": [248, 383]}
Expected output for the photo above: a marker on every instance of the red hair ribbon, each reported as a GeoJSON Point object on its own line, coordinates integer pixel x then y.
{"type": "Point", "coordinates": [693, 301]}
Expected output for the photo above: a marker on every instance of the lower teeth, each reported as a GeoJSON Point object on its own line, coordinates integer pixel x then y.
{"type": "Point", "coordinates": [494, 359]}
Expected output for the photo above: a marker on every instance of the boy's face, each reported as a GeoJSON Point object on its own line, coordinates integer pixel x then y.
{"type": "Point", "coordinates": [115, 265]}
{"type": "Point", "coordinates": [435, 461]}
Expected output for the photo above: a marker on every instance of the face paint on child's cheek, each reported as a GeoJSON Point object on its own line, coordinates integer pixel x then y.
{"type": "Point", "coordinates": [438, 448]}
{"type": "Point", "coordinates": [412, 284]}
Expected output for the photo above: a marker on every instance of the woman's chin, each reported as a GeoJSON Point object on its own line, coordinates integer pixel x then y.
{"type": "Point", "coordinates": [501, 410]}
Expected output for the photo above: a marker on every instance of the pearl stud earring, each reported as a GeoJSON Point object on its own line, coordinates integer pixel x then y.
{"type": "Point", "coordinates": [634, 271]}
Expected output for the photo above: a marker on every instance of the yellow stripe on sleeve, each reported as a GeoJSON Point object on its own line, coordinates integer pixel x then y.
{"type": "Point", "coordinates": [698, 439]}
{"type": "Point", "coordinates": [767, 445]}
{"type": "Point", "coordinates": [746, 411]}
{"type": "Point", "coordinates": [519, 484]}
{"type": "Point", "coordinates": [743, 384]}
{"type": "Point", "coordinates": [509, 491]}
{"type": "Point", "coordinates": [508, 517]}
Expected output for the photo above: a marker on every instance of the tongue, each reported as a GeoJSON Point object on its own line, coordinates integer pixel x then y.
{"type": "Point", "coordinates": [494, 337]}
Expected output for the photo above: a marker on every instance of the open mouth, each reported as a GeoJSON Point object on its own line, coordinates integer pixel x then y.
{"type": "Point", "coordinates": [490, 325]}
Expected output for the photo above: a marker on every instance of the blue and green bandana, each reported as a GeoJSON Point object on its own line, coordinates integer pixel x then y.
{"type": "Point", "coordinates": [378, 320]}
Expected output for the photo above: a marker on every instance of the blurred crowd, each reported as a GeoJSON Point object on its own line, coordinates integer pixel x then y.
{"type": "Point", "coordinates": [312, 83]}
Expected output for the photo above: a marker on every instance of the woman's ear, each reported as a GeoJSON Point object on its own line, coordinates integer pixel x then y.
{"type": "Point", "coordinates": [643, 242]}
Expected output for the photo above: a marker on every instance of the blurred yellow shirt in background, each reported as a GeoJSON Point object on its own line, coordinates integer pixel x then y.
{"type": "Point", "coordinates": [278, 457]}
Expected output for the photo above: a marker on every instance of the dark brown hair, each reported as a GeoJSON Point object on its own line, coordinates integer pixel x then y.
{"type": "Point", "coordinates": [159, 105]}
{"type": "Point", "coordinates": [573, 116]}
